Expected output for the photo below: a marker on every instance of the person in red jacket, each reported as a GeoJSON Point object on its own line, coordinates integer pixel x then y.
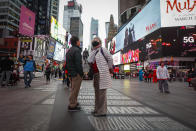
{"type": "Point", "coordinates": [154, 80]}
{"type": "Point", "coordinates": [149, 76]}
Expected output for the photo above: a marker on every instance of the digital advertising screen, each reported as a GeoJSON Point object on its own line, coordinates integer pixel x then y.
{"type": "Point", "coordinates": [116, 58]}
{"type": "Point", "coordinates": [51, 49]}
{"type": "Point", "coordinates": [145, 22]}
{"type": "Point", "coordinates": [130, 56]}
{"type": "Point", "coordinates": [57, 31]}
{"type": "Point", "coordinates": [178, 13]}
{"type": "Point", "coordinates": [59, 53]}
{"type": "Point", "coordinates": [27, 21]}
{"type": "Point", "coordinates": [112, 45]}
{"type": "Point", "coordinates": [126, 67]}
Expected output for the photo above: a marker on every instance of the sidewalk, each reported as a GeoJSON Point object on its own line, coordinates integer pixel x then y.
{"type": "Point", "coordinates": [180, 104]}
{"type": "Point", "coordinates": [132, 105]}
{"type": "Point", "coordinates": [26, 109]}
{"type": "Point", "coordinates": [125, 110]}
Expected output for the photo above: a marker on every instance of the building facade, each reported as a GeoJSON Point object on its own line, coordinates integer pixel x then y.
{"type": "Point", "coordinates": [76, 28]}
{"type": "Point", "coordinates": [10, 17]}
{"type": "Point", "coordinates": [54, 8]}
{"type": "Point", "coordinates": [107, 24]}
{"type": "Point", "coordinates": [72, 9]}
{"type": "Point", "coordinates": [154, 35]}
{"type": "Point", "coordinates": [112, 30]}
{"type": "Point", "coordinates": [42, 9]}
{"type": "Point", "coordinates": [94, 30]}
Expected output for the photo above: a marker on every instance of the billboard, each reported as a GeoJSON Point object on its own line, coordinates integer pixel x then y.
{"type": "Point", "coordinates": [51, 49]}
{"type": "Point", "coordinates": [112, 46]}
{"type": "Point", "coordinates": [116, 58]}
{"type": "Point", "coordinates": [57, 31]}
{"type": "Point", "coordinates": [130, 56]}
{"type": "Point", "coordinates": [59, 52]}
{"type": "Point", "coordinates": [126, 67]}
{"type": "Point", "coordinates": [145, 22]}
{"type": "Point", "coordinates": [178, 12]}
{"type": "Point", "coordinates": [40, 48]}
{"type": "Point", "coordinates": [27, 21]}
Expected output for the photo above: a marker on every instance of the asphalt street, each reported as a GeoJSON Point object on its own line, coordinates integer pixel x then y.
{"type": "Point", "coordinates": [132, 105]}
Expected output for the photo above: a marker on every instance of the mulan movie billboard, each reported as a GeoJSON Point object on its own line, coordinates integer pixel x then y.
{"type": "Point", "coordinates": [145, 22]}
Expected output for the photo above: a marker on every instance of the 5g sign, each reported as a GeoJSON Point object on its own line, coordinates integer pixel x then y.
{"type": "Point", "coordinates": [188, 39]}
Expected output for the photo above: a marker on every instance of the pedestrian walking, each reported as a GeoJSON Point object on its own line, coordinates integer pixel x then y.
{"type": "Point", "coordinates": [141, 73]}
{"type": "Point", "coordinates": [191, 74]}
{"type": "Point", "coordinates": [145, 76]}
{"type": "Point", "coordinates": [29, 68]}
{"type": "Point", "coordinates": [48, 72]}
{"type": "Point", "coordinates": [85, 55]}
{"type": "Point", "coordinates": [149, 76]}
{"type": "Point", "coordinates": [75, 70]}
{"type": "Point", "coordinates": [60, 72]}
{"type": "Point", "coordinates": [6, 70]}
{"type": "Point", "coordinates": [154, 76]}
{"type": "Point", "coordinates": [101, 61]}
{"type": "Point", "coordinates": [67, 77]}
{"type": "Point", "coordinates": [162, 76]}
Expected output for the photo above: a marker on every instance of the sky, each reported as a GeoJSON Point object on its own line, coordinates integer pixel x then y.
{"type": "Point", "coordinates": [98, 9]}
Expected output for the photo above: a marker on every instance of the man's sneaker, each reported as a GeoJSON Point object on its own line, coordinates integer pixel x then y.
{"type": "Point", "coordinates": [77, 108]}
{"type": "Point", "coordinates": [78, 104]}
{"type": "Point", "coordinates": [93, 112]}
{"type": "Point", "coordinates": [99, 115]}
{"type": "Point", "coordinates": [167, 92]}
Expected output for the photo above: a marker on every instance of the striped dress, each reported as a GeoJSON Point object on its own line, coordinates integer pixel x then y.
{"type": "Point", "coordinates": [103, 66]}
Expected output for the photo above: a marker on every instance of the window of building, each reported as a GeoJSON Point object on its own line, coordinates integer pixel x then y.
{"type": "Point", "coordinates": [4, 3]}
{"type": "Point", "coordinates": [11, 19]}
{"type": "Point", "coordinates": [12, 13]}
{"type": "Point", "coordinates": [3, 23]}
{"type": "Point", "coordinates": [3, 10]}
{"type": "Point", "coordinates": [3, 16]}
{"type": "Point", "coordinates": [13, 27]}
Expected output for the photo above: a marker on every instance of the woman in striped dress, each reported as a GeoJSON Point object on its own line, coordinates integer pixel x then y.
{"type": "Point", "coordinates": [101, 62]}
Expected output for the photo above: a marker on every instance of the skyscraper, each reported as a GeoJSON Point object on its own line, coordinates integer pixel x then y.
{"type": "Point", "coordinates": [112, 30]}
{"type": "Point", "coordinates": [42, 9]}
{"type": "Point", "coordinates": [60, 14]}
{"type": "Point", "coordinates": [10, 16]}
{"type": "Point", "coordinates": [72, 19]}
{"type": "Point", "coordinates": [76, 28]}
{"type": "Point", "coordinates": [54, 8]}
{"type": "Point", "coordinates": [94, 29]}
{"type": "Point", "coordinates": [107, 24]}
{"type": "Point", "coordinates": [72, 9]}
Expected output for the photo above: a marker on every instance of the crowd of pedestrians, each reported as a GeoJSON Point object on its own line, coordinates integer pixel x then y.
{"type": "Point", "coordinates": [101, 68]}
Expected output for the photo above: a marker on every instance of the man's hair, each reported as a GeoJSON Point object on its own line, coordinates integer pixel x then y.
{"type": "Point", "coordinates": [31, 56]}
{"type": "Point", "coordinates": [74, 40]}
{"type": "Point", "coordinates": [162, 62]}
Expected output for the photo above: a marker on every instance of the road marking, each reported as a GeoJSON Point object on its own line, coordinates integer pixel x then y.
{"type": "Point", "coordinates": [122, 123]}
{"type": "Point", "coordinates": [48, 102]}
{"type": "Point", "coordinates": [125, 113]}
{"type": "Point", "coordinates": [86, 102]}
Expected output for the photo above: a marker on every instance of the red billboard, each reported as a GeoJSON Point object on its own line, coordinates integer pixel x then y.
{"type": "Point", "coordinates": [27, 21]}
